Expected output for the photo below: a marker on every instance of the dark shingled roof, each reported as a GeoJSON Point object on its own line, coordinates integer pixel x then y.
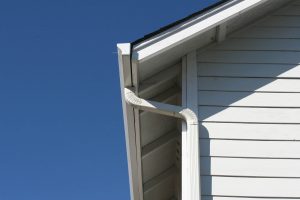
{"type": "Point", "coordinates": [179, 21]}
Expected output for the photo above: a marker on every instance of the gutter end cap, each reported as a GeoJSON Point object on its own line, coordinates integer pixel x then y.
{"type": "Point", "coordinates": [124, 48]}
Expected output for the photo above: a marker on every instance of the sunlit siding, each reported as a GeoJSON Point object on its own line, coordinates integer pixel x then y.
{"type": "Point", "coordinates": [249, 110]}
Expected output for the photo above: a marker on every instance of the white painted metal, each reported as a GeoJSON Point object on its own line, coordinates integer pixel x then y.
{"type": "Point", "coordinates": [193, 28]}
{"type": "Point", "coordinates": [271, 60]}
{"type": "Point", "coordinates": [160, 108]}
{"type": "Point", "coordinates": [138, 148]}
{"type": "Point", "coordinates": [190, 146]}
{"type": "Point", "coordinates": [184, 134]}
{"type": "Point", "coordinates": [137, 125]}
{"type": "Point", "coordinates": [128, 115]}
{"type": "Point", "coordinates": [161, 61]}
{"type": "Point", "coordinates": [191, 119]}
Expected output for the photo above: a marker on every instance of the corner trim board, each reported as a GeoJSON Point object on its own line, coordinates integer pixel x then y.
{"type": "Point", "coordinates": [135, 183]}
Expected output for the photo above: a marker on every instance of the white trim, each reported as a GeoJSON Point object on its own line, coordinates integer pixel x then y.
{"type": "Point", "coordinates": [160, 108]}
{"type": "Point", "coordinates": [135, 83]}
{"type": "Point", "coordinates": [184, 137]}
{"type": "Point", "coordinates": [192, 82]}
{"type": "Point", "coordinates": [190, 168]}
{"type": "Point", "coordinates": [184, 187]}
{"type": "Point", "coordinates": [192, 29]}
{"type": "Point", "coordinates": [221, 32]}
{"type": "Point", "coordinates": [191, 189]}
{"type": "Point", "coordinates": [138, 152]}
{"type": "Point", "coordinates": [136, 192]}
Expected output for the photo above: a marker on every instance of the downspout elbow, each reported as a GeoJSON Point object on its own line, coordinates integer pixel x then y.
{"type": "Point", "coordinates": [191, 119]}
{"type": "Point", "coordinates": [189, 116]}
{"type": "Point", "coordinates": [161, 108]}
{"type": "Point", "coordinates": [166, 109]}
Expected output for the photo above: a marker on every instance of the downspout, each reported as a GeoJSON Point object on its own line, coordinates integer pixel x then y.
{"type": "Point", "coordinates": [191, 169]}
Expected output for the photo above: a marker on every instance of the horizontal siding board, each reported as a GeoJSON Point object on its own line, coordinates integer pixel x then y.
{"type": "Point", "coordinates": [249, 70]}
{"type": "Point", "coordinates": [165, 157]}
{"type": "Point", "coordinates": [249, 115]}
{"type": "Point", "coordinates": [237, 198]}
{"type": "Point", "coordinates": [260, 44]}
{"type": "Point", "coordinates": [249, 89]}
{"type": "Point", "coordinates": [258, 57]}
{"type": "Point", "coordinates": [296, 2]}
{"type": "Point", "coordinates": [249, 84]}
{"type": "Point", "coordinates": [282, 21]}
{"type": "Point", "coordinates": [252, 15]}
{"type": "Point", "coordinates": [289, 132]}
{"type": "Point", "coordinates": [163, 190]}
{"type": "Point", "coordinates": [250, 167]}
{"type": "Point", "coordinates": [268, 32]}
{"type": "Point", "coordinates": [290, 10]}
{"type": "Point", "coordinates": [219, 98]}
{"type": "Point", "coordinates": [150, 133]}
{"type": "Point", "coordinates": [250, 148]}
{"type": "Point", "coordinates": [251, 187]}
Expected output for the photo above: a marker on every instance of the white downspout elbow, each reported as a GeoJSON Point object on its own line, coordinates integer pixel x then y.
{"type": "Point", "coordinates": [161, 108]}
{"type": "Point", "coordinates": [191, 169]}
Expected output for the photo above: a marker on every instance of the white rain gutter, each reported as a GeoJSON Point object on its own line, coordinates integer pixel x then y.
{"type": "Point", "coordinates": [190, 168]}
{"type": "Point", "coordinates": [192, 28]}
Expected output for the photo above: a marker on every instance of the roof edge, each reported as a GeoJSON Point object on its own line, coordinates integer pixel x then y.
{"type": "Point", "coordinates": [191, 28]}
{"type": "Point", "coordinates": [173, 24]}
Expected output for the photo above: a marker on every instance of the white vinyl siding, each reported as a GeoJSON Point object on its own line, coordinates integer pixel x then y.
{"type": "Point", "coordinates": [249, 111]}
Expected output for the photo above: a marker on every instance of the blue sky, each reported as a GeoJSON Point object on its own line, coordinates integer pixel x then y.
{"type": "Point", "coordinates": [61, 127]}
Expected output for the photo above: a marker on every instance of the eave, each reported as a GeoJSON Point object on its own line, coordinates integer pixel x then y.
{"type": "Point", "coordinates": [166, 46]}
{"type": "Point", "coordinates": [142, 59]}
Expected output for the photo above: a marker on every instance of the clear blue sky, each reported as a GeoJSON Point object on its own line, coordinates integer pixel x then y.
{"type": "Point", "coordinates": [61, 127]}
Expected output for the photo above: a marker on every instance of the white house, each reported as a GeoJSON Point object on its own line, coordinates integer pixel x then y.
{"type": "Point", "coordinates": [212, 105]}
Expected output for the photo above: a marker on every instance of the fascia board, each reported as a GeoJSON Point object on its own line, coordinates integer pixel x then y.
{"type": "Point", "coordinates": [178, 35]}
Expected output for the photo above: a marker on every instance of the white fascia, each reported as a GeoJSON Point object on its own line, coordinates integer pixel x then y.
{"type": "Point", "coordinates": [191, 29]}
